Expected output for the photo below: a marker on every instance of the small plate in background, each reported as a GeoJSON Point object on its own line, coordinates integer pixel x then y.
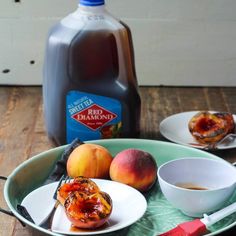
{"type": "Point", "coordinates": [175, 129]}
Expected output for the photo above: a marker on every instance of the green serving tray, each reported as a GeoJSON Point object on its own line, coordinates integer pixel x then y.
{"type": "Point", "coordinates": [160, 215]}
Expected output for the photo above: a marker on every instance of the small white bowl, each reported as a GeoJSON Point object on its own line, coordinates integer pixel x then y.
{"type": "Point", "coordinates": [218, 177]}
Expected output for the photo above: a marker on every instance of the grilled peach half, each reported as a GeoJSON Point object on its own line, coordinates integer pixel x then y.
{"type": "Point", "coordinates": [209, 128]}
{"type": "Point", "coordinates": [85, 205]}
{"type": "Point", "coordinates": [80, 184]}
{"type": "Point", "coordinates": [88, 211]}
{"type": "Point", "coordinates": [228, 117]}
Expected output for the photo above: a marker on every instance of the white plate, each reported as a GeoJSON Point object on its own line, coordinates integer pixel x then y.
{"type": "Point", "coordinates": [125, 211]}
{"type": "Point", "coordinates": [175, 128]}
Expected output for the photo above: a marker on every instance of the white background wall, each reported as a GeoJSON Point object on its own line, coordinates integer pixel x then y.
{"type": "Point", "coordinates": [177, 42]}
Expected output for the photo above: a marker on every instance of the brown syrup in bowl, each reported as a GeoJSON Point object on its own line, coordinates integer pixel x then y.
{"type": "Point", "coordinates": [190, 186]}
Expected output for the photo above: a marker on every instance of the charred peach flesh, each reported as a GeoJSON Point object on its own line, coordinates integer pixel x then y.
{"type": "Point", "coordinates": [81, 184]}
{"type": "Point", "coordinates": [85, 205]}
{"type": "Point", "coordinates": [208, 128]}
{"type": "Point", "coordinates": [88, 211]}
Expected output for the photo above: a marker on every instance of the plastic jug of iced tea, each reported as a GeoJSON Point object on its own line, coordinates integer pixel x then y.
{"type": "Point", "coordinates": [90, 88]}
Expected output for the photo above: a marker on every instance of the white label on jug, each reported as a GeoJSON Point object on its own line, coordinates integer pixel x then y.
{"type": "Point", "coordinates": [90, 116]}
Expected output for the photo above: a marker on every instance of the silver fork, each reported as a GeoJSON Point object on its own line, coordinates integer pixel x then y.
{"type": "Point", "coordinates": [227, 139]}
{"type": "Point", "coordinates": [47, 222]}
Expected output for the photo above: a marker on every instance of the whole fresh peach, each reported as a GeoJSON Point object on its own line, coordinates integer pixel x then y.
{"type": "Point", "coordinates": [89, 160]}
{"type": "Point", "coordinates": [135, 168]}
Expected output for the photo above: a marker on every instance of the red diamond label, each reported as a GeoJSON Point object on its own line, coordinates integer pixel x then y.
{"type": "Point", "coordinates": [94, 117]}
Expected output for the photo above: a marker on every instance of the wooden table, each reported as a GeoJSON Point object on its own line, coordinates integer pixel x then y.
{"type": "Point", "coordinates": [22, 132]}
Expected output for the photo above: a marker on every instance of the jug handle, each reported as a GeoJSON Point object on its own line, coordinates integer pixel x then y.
{"type": "Point", "coordinates": [7, 212]}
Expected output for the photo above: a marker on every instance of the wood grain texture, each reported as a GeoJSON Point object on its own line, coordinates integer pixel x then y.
{"type": "Point", "coordinates": [22, 131]}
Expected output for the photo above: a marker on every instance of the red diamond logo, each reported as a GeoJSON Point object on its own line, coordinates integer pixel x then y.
{"type": "Point", "coordinates": [94, 117]}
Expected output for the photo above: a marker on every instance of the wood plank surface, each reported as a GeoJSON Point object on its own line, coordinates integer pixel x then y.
{"type": "Point", "coordinates": [22, 131]}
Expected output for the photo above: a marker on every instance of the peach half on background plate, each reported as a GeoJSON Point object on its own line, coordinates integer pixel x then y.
{"type": "Point", "coordinates": [176, 129]}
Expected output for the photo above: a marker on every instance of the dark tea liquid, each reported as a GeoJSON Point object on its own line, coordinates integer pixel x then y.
{"type": "Point", "coordinates": [99, 63]}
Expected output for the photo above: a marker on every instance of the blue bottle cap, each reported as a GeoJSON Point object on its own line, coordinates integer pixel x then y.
{"type": "Point", "coordinates": [92, 2]}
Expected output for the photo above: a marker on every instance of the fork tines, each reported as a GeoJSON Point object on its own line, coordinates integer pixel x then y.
{"type": "Point", "coordinates": [64, 178]}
